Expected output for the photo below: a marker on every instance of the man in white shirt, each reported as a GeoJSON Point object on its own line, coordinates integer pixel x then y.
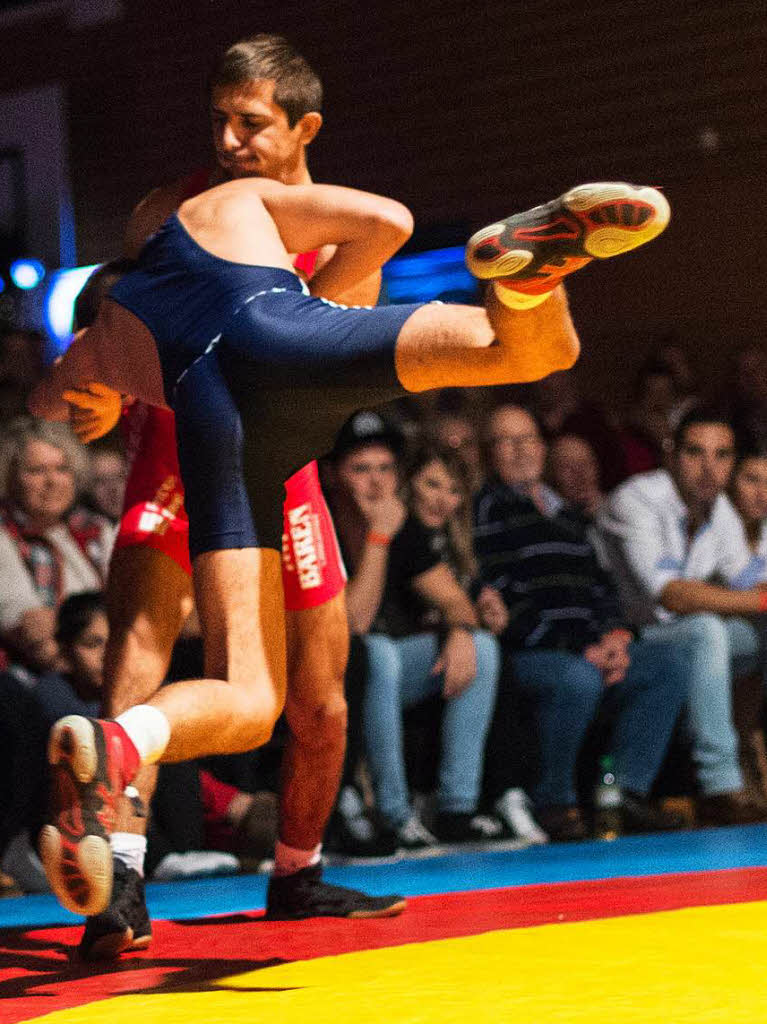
{"type": "Point", "coordinates": [686, 574]}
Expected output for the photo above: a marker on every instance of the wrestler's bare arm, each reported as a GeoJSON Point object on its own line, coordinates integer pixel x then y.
{"type": "Point", "coordinates": [260, 221]}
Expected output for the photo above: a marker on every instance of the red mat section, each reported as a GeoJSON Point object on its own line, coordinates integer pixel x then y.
{"type": "Point", "coordinates": [39, 974]}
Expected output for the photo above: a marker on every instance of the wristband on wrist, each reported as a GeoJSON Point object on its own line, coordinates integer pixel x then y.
{"type": "Point", "coordinates": [763, 601]}
{"type": "Point", "coordinates": [382, 539]}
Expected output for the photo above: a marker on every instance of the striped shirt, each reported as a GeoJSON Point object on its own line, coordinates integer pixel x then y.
{"type": "Point", "coordinates": [544, 565]}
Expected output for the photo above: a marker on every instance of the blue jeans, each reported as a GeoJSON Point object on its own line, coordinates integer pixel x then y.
{"type": "Point", "coordinates": [566, 692]}
{"type": "Point", "coordinates": [399, 676]}
{"type": "Point", "coordinates": [719, 648]}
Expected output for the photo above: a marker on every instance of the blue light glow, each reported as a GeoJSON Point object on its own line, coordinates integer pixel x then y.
{"type": "Point", "coordinates": [58, 308]}
{"type": "Point", "coordinates": [27, 274]}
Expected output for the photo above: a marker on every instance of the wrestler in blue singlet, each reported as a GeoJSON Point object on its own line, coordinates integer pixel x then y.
{"type": "Point", "coordinates": [260, 375]}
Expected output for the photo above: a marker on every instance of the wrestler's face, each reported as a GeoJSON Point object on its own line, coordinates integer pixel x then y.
{"type": "Point", "coordinates": [252, 136]}
{"type": "Point", "coordinates": [45, 483]}
{"type": "Point", "coordinates": [85, 657]}
{"type": "Point", "coordinates": [436, 495]}
{"type": "Point", "coordinates": [369, 474]}
{"type": "Point", "coordinates": [703, 462]}
{"type": "Point", "coordinates": [749, 488]}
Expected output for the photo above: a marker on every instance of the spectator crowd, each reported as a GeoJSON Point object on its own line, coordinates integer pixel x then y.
{"type": "Point", "coordinates": [536, 588]}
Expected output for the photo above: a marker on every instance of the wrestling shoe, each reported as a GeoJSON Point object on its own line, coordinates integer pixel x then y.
{"type": "Point", "coordinates": [303, 894]}
{"type": "Point", "coordinates": [92, 761]}
{"type": "Point", "coordinates": [530, 253]}
{"type": "Point", "coordinates": [124, 925]}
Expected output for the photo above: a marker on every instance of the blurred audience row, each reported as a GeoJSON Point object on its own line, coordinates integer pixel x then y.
{"type": "Point", "coordinates": [537, 590]}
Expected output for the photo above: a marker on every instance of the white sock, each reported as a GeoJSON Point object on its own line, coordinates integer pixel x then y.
{"type": "Point", "coordinates": [517, 300]}
{"type": "Point", "coordinates": [130, 848]}
{"type": "Point", "coordinates": [288, 860]}
{"type": "Point", "coordinates": [148, 730]}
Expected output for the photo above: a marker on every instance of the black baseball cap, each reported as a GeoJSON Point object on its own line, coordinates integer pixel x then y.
{"type": "Point", "coordinates": [364, 428]}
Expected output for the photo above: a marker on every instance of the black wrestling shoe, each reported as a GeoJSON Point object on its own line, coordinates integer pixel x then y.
{"type": "Point", "coordinates": [304, 894]}
{"type": "Point", "coordinates": [530, 253]}
{"type": "Point", "coordinates": [124, 925]}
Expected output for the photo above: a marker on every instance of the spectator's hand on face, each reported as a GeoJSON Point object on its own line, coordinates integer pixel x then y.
{"type": "Point", "coordinates": [492, 610]}
{"type": "Point", "coordinates": [457, 662]}
{"type": "Point", "coordinates": [384, 515]}
{"type": "Point", "coordinates": [610, 655]}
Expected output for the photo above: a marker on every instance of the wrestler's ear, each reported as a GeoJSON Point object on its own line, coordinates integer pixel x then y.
{"type": "Point", "coordinates": [309, 125]}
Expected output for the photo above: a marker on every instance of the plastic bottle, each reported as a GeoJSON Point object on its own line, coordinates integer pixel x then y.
{"type": "Point", "coordinates": [607, 802]}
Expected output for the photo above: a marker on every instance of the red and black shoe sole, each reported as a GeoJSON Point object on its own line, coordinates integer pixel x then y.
{"type": "Point", "coordinates": [74, 846]}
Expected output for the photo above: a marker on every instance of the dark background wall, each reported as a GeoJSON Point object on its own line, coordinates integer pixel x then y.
{"type": "Point", "coordinates": [465, 112]}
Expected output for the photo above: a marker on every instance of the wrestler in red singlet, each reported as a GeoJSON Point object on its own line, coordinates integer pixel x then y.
{"type": "Point", "coordinates": [154, 514]}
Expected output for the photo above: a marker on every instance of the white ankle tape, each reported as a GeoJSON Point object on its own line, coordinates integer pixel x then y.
{"type": "Point", "coordinates": [288, 859]}
{"type": "Point", "coordinates": [130, 848]}
{"type": "Point", "coordinates": [148, 730]}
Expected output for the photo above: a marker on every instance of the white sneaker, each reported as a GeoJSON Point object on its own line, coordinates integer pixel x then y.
{"type": "Point", "coordinates": [414, 835]}
{"type": "Point", "coordinates": [513, 808]}
{"type": "Point", "coordinates": [352, 810]}
{"type": "Point", "coordinates": [195, 864]}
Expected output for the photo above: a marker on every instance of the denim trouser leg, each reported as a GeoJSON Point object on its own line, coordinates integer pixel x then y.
{"type": "Point", "coordinates": [715, 645]}
{"type": "Point", "coordinates": [565, 691]}
{"type": "Point", "coordinates": [400, 675]}
{"type": "Point", "coordinates": [465, 725]}
{"type": "Point", "coordinates": [646, 704]}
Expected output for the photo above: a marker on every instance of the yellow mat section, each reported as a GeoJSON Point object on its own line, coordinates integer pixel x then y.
{"type": "Point", "coordinates": [700, 965]}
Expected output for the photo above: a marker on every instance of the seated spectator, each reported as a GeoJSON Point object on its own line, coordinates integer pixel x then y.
{"type": "Point", "coordinates": [49, 548]}
{"type": "Point", "coordinates": [573, 471]}
{"type": "Point", "coordinates": [456, 430]}
{"type": "Point", "coordinates": [686, 575]}
{"type": "Point", "coordinates": [748, 493]}
{"type": "Point", "coordinates": [644, 439]}
{"type": "Point", "coordinates": [561, 409]}
{"type": "Point", "coordinates": [105, 486]}
{"type": "Point", "coordinates": [407, 596]}
{"type": "Point", "coordinates": [746, 391]}
{"type": "Point", "coordinates": [569, 653]}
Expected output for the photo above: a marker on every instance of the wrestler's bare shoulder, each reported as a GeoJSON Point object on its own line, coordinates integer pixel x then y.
{"type": "Point", "coordinates": [153, 210]}
{"type": "Point", "coordinates": [126, 354]}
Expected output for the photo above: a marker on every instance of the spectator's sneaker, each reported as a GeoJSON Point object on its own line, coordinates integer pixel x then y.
{"type": "Point", "coordinates": [734, 808]}
{"type": "Point", "coordinates": [468, 828]}
{"type": "Point", "coordinates": [530, 253]}
{"type": "Point", "coordinates": [638, 814]}
{"type": "Point", "coordinates": [92, 762]}
{"type": "Point", "coordinates": [411, 835]}
{"type": "Point", "coordinates": [304, 894]}
{"type": "Point", "coordinates": [351, 833]}
{"type": "Point", "coordinates": [563, 824]}
{"type": "Point", "coordinates": [195, 864]}
{"type": "Point", "coordinates": [124, 925]}
{"type": "Point", "coordinates": [513, 808]}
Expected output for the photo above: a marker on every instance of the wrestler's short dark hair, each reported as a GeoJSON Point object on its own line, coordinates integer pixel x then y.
{"type": "Point", "coordinates": [96, 287]}
{"type": "Point", "coordinates": [298, 90]}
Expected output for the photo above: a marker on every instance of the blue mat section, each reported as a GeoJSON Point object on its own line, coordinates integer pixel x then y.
{"type": "Point", "coordinates": [705, 850]}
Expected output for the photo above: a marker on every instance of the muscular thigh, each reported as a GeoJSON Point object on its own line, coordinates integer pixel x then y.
{"type": "Point", "coordinates": [240, 605]}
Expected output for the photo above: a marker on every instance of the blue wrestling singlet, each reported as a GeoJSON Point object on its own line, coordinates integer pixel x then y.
{"type": "Point", "coordinates": [259, 374]}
